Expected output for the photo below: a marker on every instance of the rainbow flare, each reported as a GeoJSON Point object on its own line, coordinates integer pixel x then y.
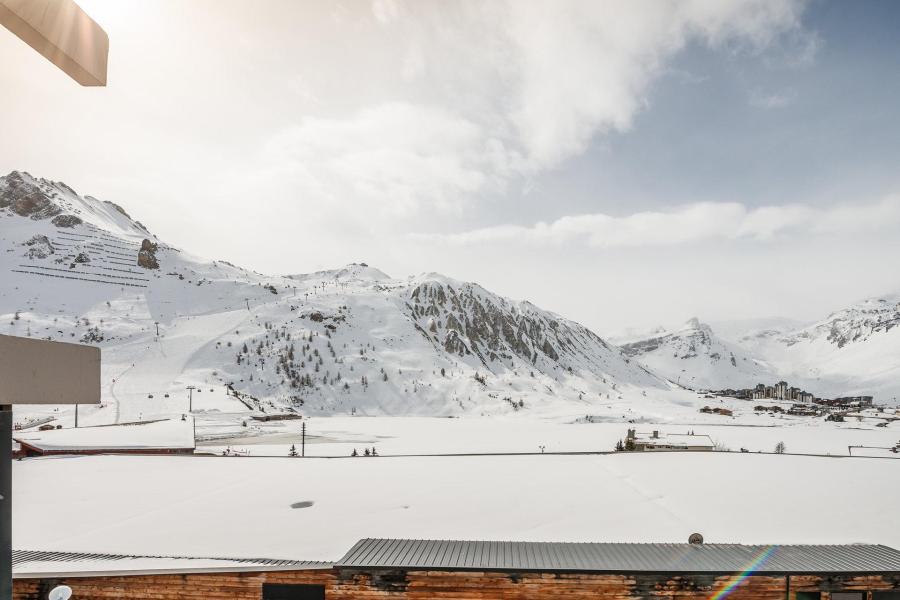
{"type": "Point", "coordinates": [736, 580]}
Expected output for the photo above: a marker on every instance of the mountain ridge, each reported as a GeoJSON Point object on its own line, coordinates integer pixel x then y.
{"type": "Point", "coordinates": [347, 340]}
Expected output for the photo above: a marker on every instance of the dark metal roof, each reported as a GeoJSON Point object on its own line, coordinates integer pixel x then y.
{"type": "Point", "coordinates": [617, 558]}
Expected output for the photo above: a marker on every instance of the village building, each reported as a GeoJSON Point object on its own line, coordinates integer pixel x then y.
{"type": "Point", "coordinates": [781, 391]}
{"type": "Point", "coordinates": [482, 570]}
{"type": "Point", "coordinates": [165, 436]}
{"type": "Point", "coordinates": [804, 410]}
{"type": "Point", "coordinates": [656, 441]}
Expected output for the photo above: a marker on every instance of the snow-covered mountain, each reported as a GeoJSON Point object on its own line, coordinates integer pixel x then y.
{"type": "Point", "coordinates": [352, 340]}
{"type": "Point", "coordinates": [852, 351]}
{"type": "Point", "coordinates": [695, 357]}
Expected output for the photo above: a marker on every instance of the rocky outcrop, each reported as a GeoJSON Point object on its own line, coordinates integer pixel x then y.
{"type": "Point", "coordinates": [25, 198]}
{"type": "Point", "coordinates": [147, 255]}
{"type": "Point", "coordinates": [477, 322]}
{"type": "Point", "coordinates": [66, 221]}
{"type": "Point", "coordinates": [39, 246]}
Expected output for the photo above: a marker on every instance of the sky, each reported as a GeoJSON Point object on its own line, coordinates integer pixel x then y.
{"type": "Point", "coordinates": [624, 164]}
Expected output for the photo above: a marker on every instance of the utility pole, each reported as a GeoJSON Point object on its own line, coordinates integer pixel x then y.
{"type": "Point", "coordinates": [191, 389]}
{"type": "Point", "coordinates": [303, 439]}
{"type": "Point", "coordinates": [6, 429]}
{"type": "Point", "coordinates": [76, 416]}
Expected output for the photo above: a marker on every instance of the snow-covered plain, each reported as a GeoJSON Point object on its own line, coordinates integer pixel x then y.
{"type": "Point", "coordinates": [339, 436]}
{"type": "Point", "coordinates": [242, 507]}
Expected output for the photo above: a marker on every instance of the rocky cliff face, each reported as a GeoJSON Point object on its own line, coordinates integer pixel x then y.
{"type": "Point", "coordinates": [147, 255]}
{"type": "Point", "coordinates": [492, 332]}
{"type": "Point", "coordinates": [468, 321]}
{"type": "Point", "coordinates": [26, 198]}
{"type": "Point", "coordinates": [852, 325]}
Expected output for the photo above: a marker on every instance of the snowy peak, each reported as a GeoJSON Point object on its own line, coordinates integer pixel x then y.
{"type": "Point", "coordinates": [695, 356]}
{"type": "Point", "coordinates": [42, 199]}
{"type": "Point", "coordinates": [351, 272]}
{"type": "Point", "coordinates": [852, 325]}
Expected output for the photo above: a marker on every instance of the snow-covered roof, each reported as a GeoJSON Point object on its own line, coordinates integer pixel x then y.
{"type": "Point", "coordinates": [163, 434]}
{"type": "Point", "coordinates": [675, 439]}
{"type": "Point", "coordinates": [28, 564]}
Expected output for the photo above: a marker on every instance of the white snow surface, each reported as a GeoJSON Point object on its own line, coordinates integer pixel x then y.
{"type": "Point", "coordinates": [196, 506]}
{"type": "Point", "coordinates": [163, 434]}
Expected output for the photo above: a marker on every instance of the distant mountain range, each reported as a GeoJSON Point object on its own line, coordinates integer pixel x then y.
{"type": "Point", "coordinates": [854, 351]}
{"type": "Point", "coordinates": [355, 340]}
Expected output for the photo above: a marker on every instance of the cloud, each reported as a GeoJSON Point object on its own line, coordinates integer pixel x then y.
{"type": "Point", "coordinates": [687, 224]}
{"type": "Point", "coordinates": [457, 99]}
{"type": "Point", "coordinates": [395, 155]}
{"type": "Point", "coordinates": [584, 68]}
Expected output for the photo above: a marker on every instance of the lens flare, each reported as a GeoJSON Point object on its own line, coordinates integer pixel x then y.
{"type": "Point", "coordinates": [736, 580]}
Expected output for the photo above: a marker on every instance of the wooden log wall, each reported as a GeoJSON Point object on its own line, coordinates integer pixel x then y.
{"type": "Point", "coordinates": [191, 586]}
{"type": "Point", "coordinates": [447, 585]}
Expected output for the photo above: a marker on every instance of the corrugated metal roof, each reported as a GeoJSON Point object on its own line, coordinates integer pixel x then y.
{"type": "Point", "coordinates": [37, 562]}
{"type": "Point", "coordinates": [618, 557]}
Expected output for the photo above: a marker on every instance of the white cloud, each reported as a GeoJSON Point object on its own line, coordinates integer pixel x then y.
{"type": "Point", "coordinates": [396, 156]}
{"type": "Point", "coordinates": [584, 68]}
{"type": "Point", "coordinates": [688, 224]}
{"type": "Point", "coordinates": [460, 97]}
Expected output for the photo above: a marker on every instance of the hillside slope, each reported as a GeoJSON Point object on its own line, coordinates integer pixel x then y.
{"type": "Point", "coordinates": [351, 340]}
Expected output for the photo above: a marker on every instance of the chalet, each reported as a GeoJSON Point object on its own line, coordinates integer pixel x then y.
{"type": "Point", "coordinates": [656, 441]}
{"type": "Point", "coordinates": [481, 570]}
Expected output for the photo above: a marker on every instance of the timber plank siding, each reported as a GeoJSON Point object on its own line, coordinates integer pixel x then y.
{"type": "Point", "coordinates": [190, 586]}
{"type": "Point", "coordinates": [405, 569]}
{"type": "Point", "coordinates": [362, 584]}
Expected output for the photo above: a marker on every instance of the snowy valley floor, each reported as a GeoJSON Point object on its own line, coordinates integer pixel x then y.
{"type": "Point", "coordinates": [242, 507]}
{"type": "Point", "coordinates": [339, 436]}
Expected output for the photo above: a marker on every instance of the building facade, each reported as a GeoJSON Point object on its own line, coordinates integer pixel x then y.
{"type": "Point", "coordinates": [418, 569]}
